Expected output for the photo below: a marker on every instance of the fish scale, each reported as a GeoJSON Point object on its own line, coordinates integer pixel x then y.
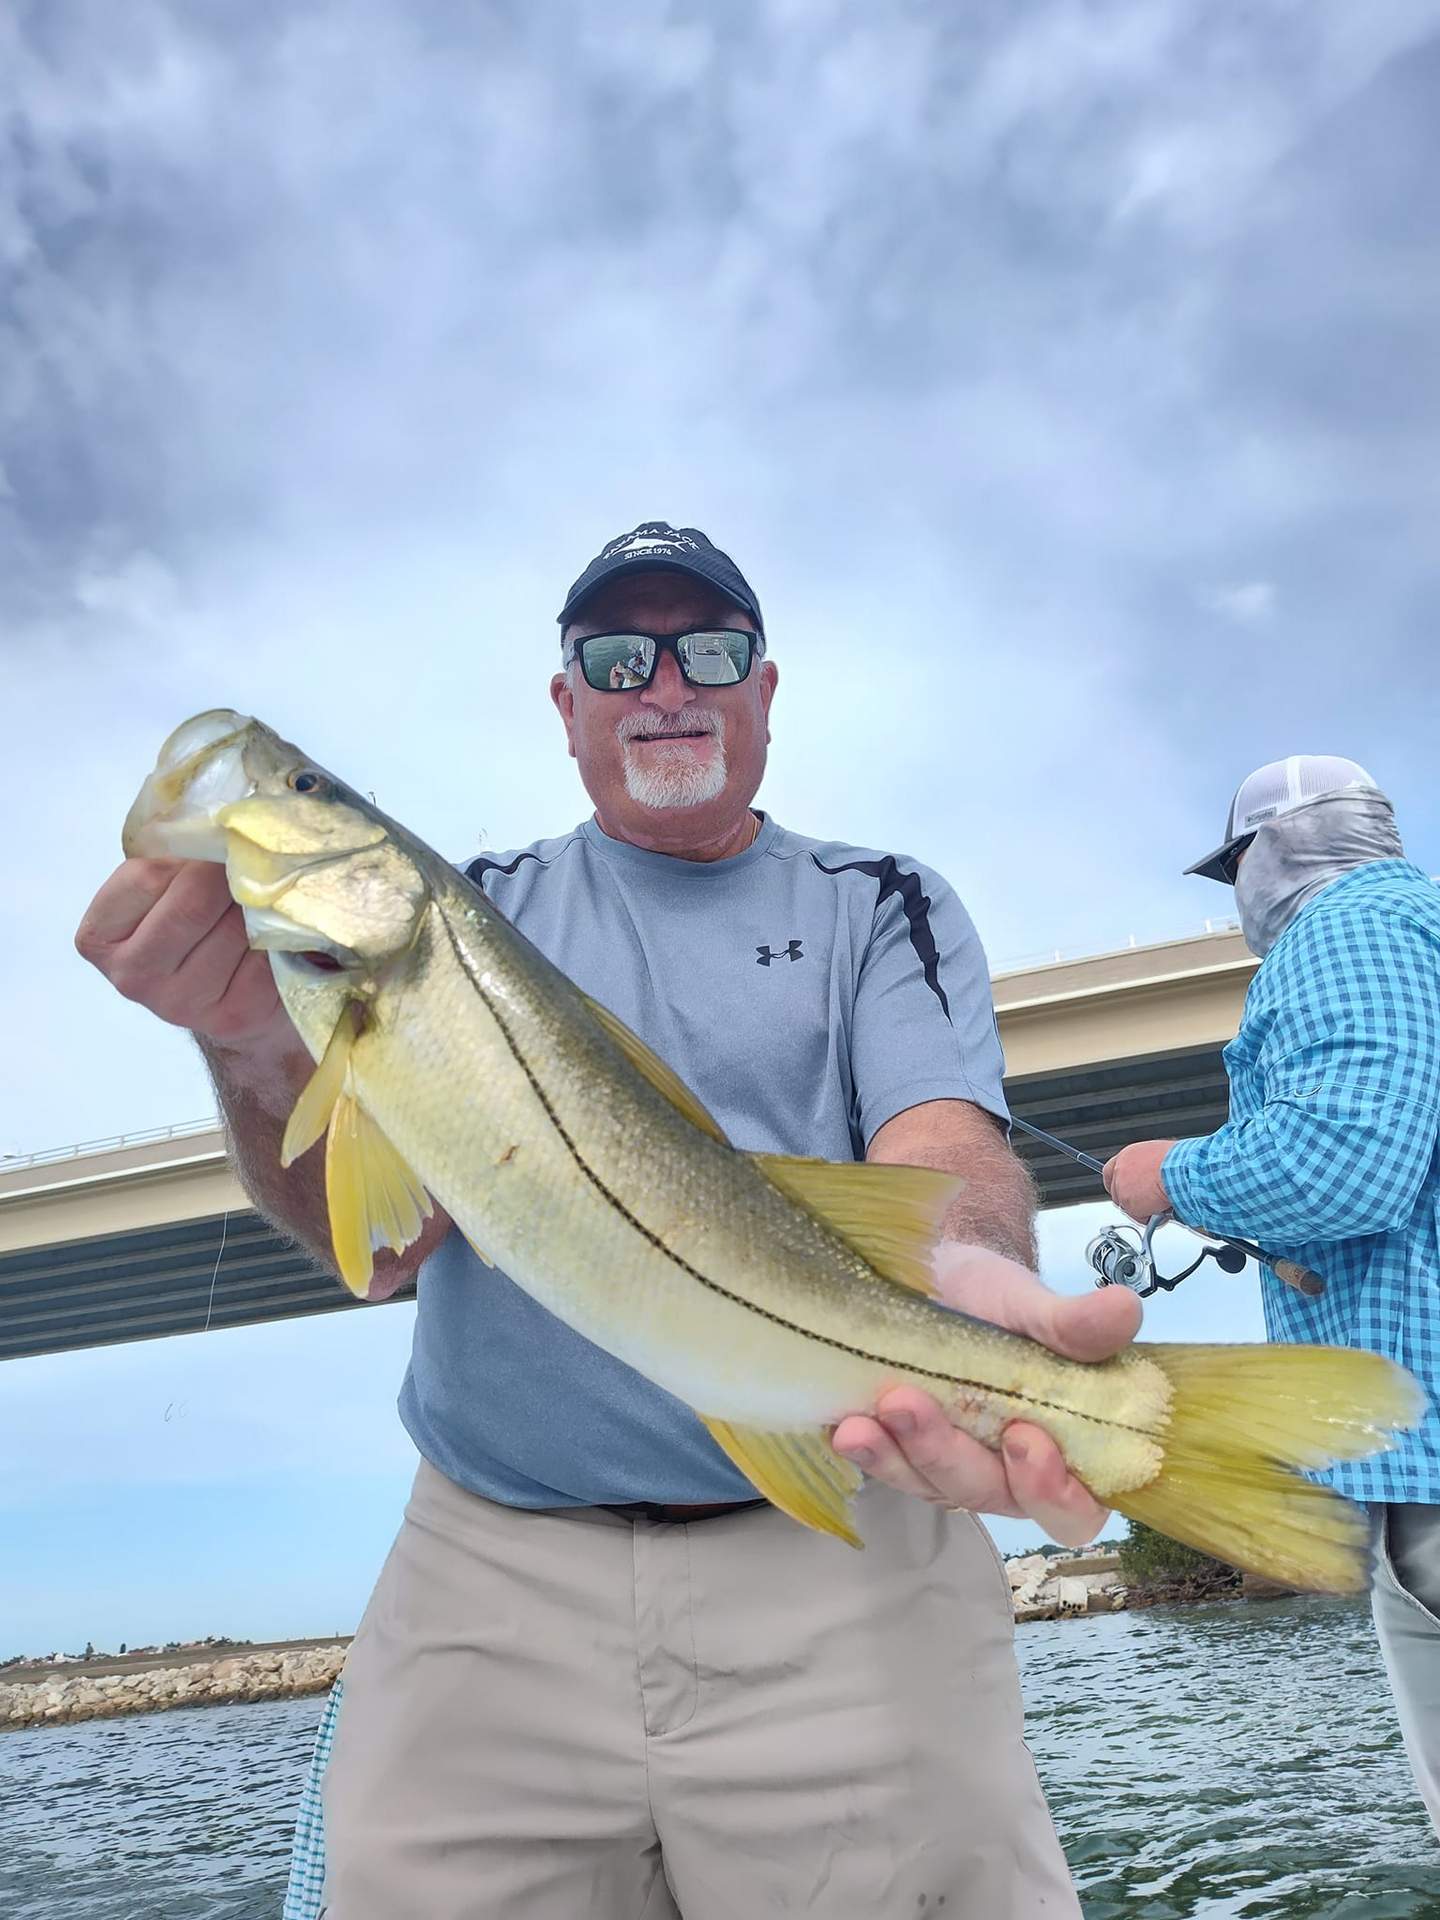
{"type": "Point", "coordinates": [772, 1295]}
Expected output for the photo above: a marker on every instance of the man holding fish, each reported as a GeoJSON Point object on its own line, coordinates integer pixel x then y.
{"type": "Point", "coordinates": [709, 1151]}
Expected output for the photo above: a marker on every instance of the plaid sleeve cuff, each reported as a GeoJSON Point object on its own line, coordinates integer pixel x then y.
{"type": "Point", "coordinates": [1182, 1175]}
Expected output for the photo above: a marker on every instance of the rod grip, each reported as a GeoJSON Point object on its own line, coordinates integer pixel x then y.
{"type": "Point", "coordinates": [1298, 1277]}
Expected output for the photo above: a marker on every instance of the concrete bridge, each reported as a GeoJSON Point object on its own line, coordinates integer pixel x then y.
{"type": "Point", "coordinates": [150, 1234]}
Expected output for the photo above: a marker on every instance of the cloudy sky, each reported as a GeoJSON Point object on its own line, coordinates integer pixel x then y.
{"type": "Point", "coordinates": [1066, 378]}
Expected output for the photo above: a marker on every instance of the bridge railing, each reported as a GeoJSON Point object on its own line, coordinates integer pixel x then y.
{"type": "Point", "coordinates": [144, 1137]}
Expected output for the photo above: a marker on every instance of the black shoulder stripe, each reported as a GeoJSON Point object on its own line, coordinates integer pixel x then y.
{"type": "Point", "coordinates": [479, 867]}
{"type": "Point", "coordinates": [915, 901]}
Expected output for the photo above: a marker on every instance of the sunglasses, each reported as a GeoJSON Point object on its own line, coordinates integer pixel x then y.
{"type": "Point", "coordinates": [708, 657]}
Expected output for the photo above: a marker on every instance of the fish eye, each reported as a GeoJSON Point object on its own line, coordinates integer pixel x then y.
{"type": "Point", "coordinates": [306, 781]}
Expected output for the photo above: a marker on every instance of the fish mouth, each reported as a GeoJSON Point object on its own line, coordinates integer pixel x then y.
{"type": "Point", "coordinates": [294, 945]}
{"type": "Point", "coordinates": [200, 771]}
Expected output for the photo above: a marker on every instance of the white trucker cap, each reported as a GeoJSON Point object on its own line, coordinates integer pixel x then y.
{"type": "Point", "coordinates": [1278, 787]}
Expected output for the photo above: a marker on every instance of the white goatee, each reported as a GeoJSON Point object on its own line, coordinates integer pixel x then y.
{"type": "Point", "coordinates": [662, 777]}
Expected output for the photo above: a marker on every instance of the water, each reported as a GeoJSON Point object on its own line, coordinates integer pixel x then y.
{"type": "Point", "coordinates": [1235, 1762]}
{"type": "Point", "coordinates": [185, 1815]}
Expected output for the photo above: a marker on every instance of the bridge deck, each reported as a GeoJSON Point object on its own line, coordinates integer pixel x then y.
{"type": "Point", "coordinates": [145, 1238]}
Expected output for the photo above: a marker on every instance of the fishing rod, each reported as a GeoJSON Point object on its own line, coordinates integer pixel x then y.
{"type": "Point", "coordinates": [1123, 1256]}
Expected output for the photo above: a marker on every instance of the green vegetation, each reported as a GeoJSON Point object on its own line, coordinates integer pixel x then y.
{"type": "Point", "coordinates": [1158, 1568]}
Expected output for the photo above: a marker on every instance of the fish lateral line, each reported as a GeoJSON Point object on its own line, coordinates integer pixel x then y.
{"type": "Point", "coordinates": [765, 1313]}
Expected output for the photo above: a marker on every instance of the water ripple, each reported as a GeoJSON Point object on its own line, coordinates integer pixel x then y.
{"type": "Point", "coordinates": [1234, 1762]}
{"type": "Point", "coordinates": [185, 1815]}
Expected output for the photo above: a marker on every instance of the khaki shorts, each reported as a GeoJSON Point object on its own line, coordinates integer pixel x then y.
{"type": "Point", "coordinates": [1406, 1603]}
{"type": "Point", "coordinates": [582, 1716]}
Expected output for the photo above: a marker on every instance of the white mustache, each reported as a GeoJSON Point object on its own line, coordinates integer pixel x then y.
{"type": "Point", "coordinates": [665, 726]}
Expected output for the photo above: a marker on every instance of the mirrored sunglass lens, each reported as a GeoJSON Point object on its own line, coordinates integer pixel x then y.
{"type": "Point", "coordinates": [714, 659]}
{"type": "Point", "coordinates": [615, 661]}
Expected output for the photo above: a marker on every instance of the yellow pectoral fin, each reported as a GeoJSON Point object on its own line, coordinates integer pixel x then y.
{"type": "Point", "coordinates": [798, 1472]}
{"type": "Point", "coordinates": [648, 1063]}
{"type": "Point", "coordinates": [373, 1197]}
{"type": "Point", "coordinates": [892, 1216]}
{"type": "Point", "coordinates": [322, 1091]}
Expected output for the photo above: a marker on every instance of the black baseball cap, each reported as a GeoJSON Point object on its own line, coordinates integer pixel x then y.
{"type": "Point", "coordinates": [656, 544]}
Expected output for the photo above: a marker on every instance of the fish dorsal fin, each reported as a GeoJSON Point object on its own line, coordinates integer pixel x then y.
{"type": "Point", "coordinates": [648, 1063]}
{"type": "Point", "coordinates": [373, 1197]}
{"type": "Point", "coordinates": [891, 1215]}
{"type": "Point", "coordinates": [800, 1473]}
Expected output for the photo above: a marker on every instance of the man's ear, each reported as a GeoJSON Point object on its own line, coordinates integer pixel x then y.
{"type": "Point", "coordinates": [769, 680]}
{"type": "Point", "coordinates": [563, 694]}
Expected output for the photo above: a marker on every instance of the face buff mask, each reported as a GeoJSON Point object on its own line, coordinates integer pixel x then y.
{"type": "Point", "coordinates": [1293, 858]}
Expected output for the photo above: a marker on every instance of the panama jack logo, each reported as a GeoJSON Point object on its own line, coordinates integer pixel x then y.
{"type": "Point", "coordinates": [653, 540]}
{"type": "Point", "coordinates": [766, 954]}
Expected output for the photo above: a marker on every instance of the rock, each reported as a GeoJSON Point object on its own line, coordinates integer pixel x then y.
{"type": "Point", "coordinates": [74, 1696]}
{"type": "Point", "coordinates": [1037, 1610]}
{"type": "Point", "coordinates": [1021, 1572]}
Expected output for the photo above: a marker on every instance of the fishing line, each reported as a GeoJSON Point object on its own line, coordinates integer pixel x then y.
{"type": "Point", "coordinates": [177, 1409]}
{"type": "Point", "coordinates": [210, 1303]}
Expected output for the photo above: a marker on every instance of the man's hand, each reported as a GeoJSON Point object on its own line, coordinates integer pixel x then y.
{"type": "Point", "coordinates": [167, 934]}
{"type": "Point", "coordinates": [912, 1446]}
{"type": "Point", "coordinates": [1132, 1179]}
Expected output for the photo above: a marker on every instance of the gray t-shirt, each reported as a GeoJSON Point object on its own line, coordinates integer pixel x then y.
{"type": "Point", "coordinates": [808, 991]}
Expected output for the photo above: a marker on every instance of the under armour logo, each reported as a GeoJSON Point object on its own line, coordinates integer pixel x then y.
{"type": "Point", "coordinates": [767, 954]}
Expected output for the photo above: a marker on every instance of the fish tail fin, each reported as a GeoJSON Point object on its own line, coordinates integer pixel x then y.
{"type": "Point", "coordinates": [1245, 1421]}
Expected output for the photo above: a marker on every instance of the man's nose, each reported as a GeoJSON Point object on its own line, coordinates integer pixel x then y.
{"type": "Point", "coordinates": [669, 690]}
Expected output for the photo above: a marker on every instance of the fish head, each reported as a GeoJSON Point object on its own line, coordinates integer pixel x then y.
{"type": "Point", "coordinates": [200, 769]}
{"type": "Point", "coordinates": [317, 869]}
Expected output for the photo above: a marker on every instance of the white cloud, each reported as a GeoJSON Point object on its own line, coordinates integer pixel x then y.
{"type": "Point", "coordinates": [1250, 602]}
{"type": "Point", "coordinates": [1031, 360]}
{"type": "Point", "coordinates": [335, 349]}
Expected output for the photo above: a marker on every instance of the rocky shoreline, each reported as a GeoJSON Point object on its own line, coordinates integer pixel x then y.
{"type": "Point", "coordinates": [1050, 1587]}
{"type": "Point", "coordinates": [1041, 1588]}
{"type": "Point", "coordinates": [72, 1694]}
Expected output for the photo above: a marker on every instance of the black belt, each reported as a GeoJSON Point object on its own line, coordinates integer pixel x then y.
{"type": "Point", "coordinates": [680, 1515]}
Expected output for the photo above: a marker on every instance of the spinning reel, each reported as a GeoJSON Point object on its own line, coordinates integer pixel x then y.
{"type": "Point", "coordinates": [1124, 1256]}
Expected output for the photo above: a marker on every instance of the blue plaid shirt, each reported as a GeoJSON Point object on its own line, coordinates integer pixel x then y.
{"type": "Point", "coordinates": [1331, 1154]}
{"type": "Point", "coordinates": [305, 1892]}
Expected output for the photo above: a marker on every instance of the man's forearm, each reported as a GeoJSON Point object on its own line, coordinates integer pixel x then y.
{"type": "Point", "coordinates": [257, 1091]}
{"type": "Point", "coordinates": [996, 1206]}
{"type": "Point", "coordinates": [256, 1094]}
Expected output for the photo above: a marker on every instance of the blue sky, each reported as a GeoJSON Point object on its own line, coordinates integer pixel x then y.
{"type": "Point", "coordinates": [1064, 377]}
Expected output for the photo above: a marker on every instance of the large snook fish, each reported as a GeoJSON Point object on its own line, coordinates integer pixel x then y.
{"type": "Point", "coordinates": [772, 1295]}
